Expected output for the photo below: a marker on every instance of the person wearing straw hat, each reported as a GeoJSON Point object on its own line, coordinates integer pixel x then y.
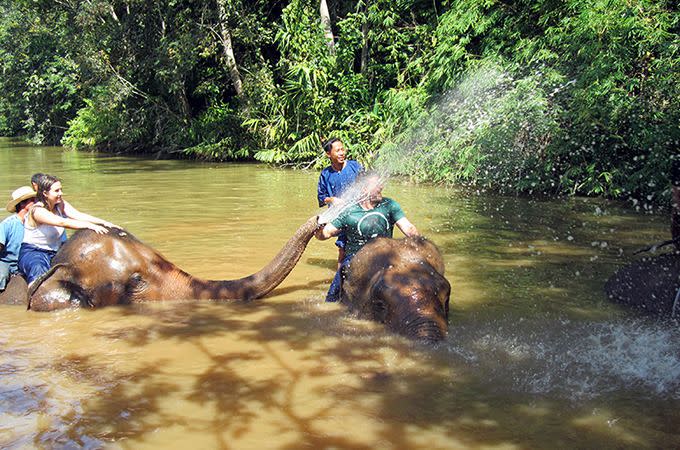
{"type": "Point", "coordinates": [12, 232]}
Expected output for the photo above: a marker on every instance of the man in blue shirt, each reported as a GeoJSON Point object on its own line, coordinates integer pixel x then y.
{"type": "Point", "coordinates": [334, 179]}
{"type": "Point", "coordinates": [12, 232]}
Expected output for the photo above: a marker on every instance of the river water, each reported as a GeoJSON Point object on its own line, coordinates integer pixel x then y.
{"type": "Point", "coordinates": [536, 356]}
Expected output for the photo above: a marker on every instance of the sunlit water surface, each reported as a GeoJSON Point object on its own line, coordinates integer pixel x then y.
{"type": "Point", "coordinates": [536, 356]}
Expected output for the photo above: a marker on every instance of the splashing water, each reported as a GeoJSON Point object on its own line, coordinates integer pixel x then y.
{"type": "Point", "coordinates": [491, 129]}
{"type": "Point", "coordinates": [354, 194]}
{"type": "Point", "coordinates": [574, 359]}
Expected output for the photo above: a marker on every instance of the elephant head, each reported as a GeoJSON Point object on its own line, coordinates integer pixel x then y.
{"type": "Point", "coordinates": [95, 270]}
{"type": "Point", "coordinates": [400, 282]}
{"type": "Point", "coordinates": [650, 284]}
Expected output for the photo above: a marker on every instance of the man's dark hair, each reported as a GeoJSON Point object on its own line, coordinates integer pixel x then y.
{"type": "Point", "coordinates": [23, 203]}
{"type": "Point", "coordinates": [329, 144]}
{"type": "Point", "coordinates": [36, 177]}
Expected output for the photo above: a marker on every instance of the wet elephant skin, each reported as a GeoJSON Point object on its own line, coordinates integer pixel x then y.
{"type": "Point", "coordinates": [15, 291]}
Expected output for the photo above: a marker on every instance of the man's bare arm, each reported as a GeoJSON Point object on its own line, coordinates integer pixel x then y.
{"type": "Point", "coordinates": [407, 227]}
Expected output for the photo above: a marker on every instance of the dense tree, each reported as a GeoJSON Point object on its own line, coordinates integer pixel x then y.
{"type": "Point", "coordinates": [531, 96]}
{"type": "Point", "coordinates": [41, 84]}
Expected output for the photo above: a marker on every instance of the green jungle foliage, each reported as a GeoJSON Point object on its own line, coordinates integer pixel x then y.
{"type": "Point", "coordinates": [542, 96]}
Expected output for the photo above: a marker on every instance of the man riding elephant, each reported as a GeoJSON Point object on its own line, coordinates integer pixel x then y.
{"type": "Point", "coordinates": [398, 282]}
{"type": "Point", "coordinates": [12, 232]}
{"type": "Point", "coordinates": [372, 217]}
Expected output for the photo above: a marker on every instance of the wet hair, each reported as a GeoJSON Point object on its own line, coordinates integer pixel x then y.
{"type": "Point", "coordinates": [365, 175]}
{"type": "Point", "coordinates": [368, 179]}
{"type": "Point", "coordinates": [45, 183]}
{"type": "Point", "coordinates": [328, 145]}
{"type": "Point", "coordinates": [35, 178]}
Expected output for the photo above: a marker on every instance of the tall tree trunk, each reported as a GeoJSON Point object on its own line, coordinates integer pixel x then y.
{"type": "Point", "coordinates": [228, 50]}
{"type": "Point", "coordinates": [364, 49]}
{"type": "Point", "coordinates": [184, 102]}
{"type": "Point", "coordinates": [326, 22]}
{"type": "Point", "coordinates": [364, 32]}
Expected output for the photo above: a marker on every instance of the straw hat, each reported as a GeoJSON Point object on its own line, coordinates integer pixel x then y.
{"type": "Point", "coordinates": [18, 196]}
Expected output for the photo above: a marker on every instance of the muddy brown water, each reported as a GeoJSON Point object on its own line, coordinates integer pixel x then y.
{"type": "Point", "coordinates": [536, 357]}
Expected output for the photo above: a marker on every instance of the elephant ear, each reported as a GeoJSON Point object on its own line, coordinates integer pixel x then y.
{"type": "Point", "coordinates": [378, 306]}
{"type": "Point", "coordinates": [52, 290]}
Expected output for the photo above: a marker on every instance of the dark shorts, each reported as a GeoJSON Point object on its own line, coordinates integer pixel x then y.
{"type": "Point", "coordinates": [335, 289]}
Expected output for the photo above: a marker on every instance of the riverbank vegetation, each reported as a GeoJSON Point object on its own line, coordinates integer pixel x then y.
{"type": "Point", "coordinates": [577, 97]}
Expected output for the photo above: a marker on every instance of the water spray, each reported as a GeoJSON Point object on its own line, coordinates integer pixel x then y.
{"type": "Point", "coordinates": [355, 193]}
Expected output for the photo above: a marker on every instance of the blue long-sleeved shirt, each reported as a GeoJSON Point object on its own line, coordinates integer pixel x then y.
{"type": "Point", "coordinates": [332, 183]}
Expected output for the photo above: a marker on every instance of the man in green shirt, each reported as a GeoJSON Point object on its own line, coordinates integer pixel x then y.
{"type": "Point", "coordinates": [372, 217]}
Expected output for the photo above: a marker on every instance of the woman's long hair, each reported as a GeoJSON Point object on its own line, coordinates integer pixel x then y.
{"type": "Point", "coordinates": [45, 183]}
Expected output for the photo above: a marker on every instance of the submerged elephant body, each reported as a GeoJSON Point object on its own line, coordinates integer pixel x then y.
{"type": "Point", "coordinates": [15, 291]}
{"type": "Point", "coordinates": [396, 282]}
{"type": "Point", "coordinates": [650, 284]}
{"type": "Point", "coordinates": [93, 270]}
{"type": "Point", "coordinates": [400, 282]}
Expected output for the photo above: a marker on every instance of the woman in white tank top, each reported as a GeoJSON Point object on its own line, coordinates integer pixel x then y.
{"type": "Point", "coordinates": [44, 227]}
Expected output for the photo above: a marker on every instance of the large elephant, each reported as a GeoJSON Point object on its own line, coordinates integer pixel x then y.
{"type": "Point", "coordinates": [650, 284]}
{"type": "Point", "coordinates": [94, 270]}
{"type": "Point", "coordinates": [400, 282]}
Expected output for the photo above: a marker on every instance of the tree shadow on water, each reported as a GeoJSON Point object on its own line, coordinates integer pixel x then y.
{"type": "Point", "coordinates": [414, 391]}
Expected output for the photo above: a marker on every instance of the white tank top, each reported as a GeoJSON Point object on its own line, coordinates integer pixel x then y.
{"type": "Point", "coordinates": [43, 236]}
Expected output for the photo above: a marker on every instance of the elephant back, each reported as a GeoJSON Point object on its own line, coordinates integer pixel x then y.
{"type": "Point", "coordinates": [428, 251]}
{"type": "Point", "coordinates": [650, 284]}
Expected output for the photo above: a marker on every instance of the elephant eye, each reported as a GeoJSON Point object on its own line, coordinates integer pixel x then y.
{"type": "Point", "coordinates": [135, 278]}
{"type": "Point", "coordinates": [135, 284]}
{"type": "Point", "coordinates": [78, 296]}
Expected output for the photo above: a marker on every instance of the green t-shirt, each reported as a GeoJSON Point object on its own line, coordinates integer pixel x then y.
{"type": "Point", "coordinates": [360, 225]}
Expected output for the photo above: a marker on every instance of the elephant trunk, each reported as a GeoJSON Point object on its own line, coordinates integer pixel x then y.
{"type": "Point", "coordinates": [260, 283]}
{"type": "Point", "coordinates": [426, 328]}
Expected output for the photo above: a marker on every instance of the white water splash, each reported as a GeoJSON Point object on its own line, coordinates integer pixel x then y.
{"type": "Point", "coordinates": [573, 359]}
{"type": "Point", "coordinates": [491, 127]}
{"type": "Point", "coordinates": [353, 195]}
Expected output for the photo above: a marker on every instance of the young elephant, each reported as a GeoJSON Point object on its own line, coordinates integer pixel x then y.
{"type": "Point", "coordinates": [400, 282]}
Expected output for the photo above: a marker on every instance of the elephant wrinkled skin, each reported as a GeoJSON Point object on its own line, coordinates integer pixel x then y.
{"type": "Point", "coordinates": [400, 282]}
{"type": "Point", "coordinates": [94, 270]}
{"type": "Point", "coordinates": [650, 284]}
